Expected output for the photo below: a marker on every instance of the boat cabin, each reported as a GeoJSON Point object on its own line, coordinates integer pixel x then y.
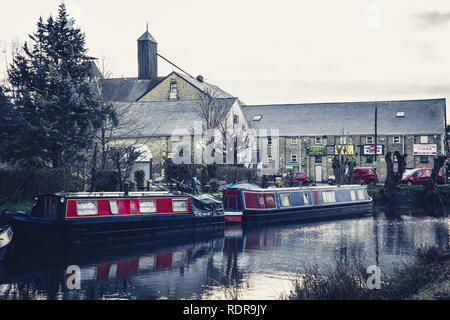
{"type": "Point", "coordinates": [83, 205]}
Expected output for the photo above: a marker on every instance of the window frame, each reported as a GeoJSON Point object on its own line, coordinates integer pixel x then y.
{"type": "Point", "coordinates": [78, 202]}
{"type": "Point", "coordinates": [148, 200]}
{"type": "Point", "coordinates": [283, 197]}
{"type": "Point", "coordinates": [318, 141]}
{"type": "Point", "coordinates": [179, 200]}
{"type": "Point", "coordinates": [114, 209]}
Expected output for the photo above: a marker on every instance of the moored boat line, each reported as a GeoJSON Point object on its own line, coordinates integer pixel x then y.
{"type": "Point", "coordinates": [70, 219]}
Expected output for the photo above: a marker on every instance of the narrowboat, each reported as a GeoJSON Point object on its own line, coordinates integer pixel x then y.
{"type": "Point", "coordinates": [72, 219]}
{"type": "Point", "coordinates": [247, 203]}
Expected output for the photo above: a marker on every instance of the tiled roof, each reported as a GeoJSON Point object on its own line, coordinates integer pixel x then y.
{"type": "Point", "coordinates": [162, 118]}
{"type": "Point", "coordinates": [357, 118]}
{"type": "Point", "coordinates": [127, 89]}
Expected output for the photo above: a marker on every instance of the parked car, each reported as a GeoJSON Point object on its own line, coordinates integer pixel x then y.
{"type": "Point", "coordinates": [365, 175]}
{"type": "Point", "coordinates": [300, 178]}
{"type": "Point", "coordinates": [421, 176]}
{"type": "Point", "coordinates": [360, 175]}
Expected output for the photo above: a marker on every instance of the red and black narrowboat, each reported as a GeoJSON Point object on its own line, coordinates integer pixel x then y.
{"type": "Point", "coordinates": [244, 203]}
{"type": "Point", "coordinates": [63, 219]}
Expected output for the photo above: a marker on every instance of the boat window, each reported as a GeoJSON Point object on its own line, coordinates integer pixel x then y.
{"type": "Point", "coordinates": [147, 206]}
{"type": "Point", "coordinates": [87, 208]}
{"type": "Point", "coordinates": [361, 195]}
{"type": "Point", "coordinates": [285, 200]}
{"type": "Point", "coordinates": [179, 205]}
{"type": "Point", "coordinates": [329, 196]}
{"type": "Point", "coordinates": [113, 207]}
{"type": "Point", "coordinates": [305, 198]}
{"type": "Point", "coordinates": [353, 195]}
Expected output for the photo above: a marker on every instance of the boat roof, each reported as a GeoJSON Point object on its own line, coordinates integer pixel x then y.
{"type": "Point", "coordinates": [249, 186]}
{"type": "Point", "coordinates": [112, 194]}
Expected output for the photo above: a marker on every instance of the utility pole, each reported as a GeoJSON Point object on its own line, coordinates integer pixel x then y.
{"type": "Point", "coordinates": [375, 163]}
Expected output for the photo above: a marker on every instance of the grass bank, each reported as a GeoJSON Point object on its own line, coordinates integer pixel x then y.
{"type": "Point", "coordinates": [426, 277]}
{"type": "Point", "coordinates": [405, 194]}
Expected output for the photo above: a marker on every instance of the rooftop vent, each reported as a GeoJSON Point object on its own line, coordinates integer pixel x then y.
{"type": "Point", "coordinates": [400, 114]}
{"type": "Point", "coordinates": [257, 117]}
{"type": "Point", "coordinates": [200, 78]}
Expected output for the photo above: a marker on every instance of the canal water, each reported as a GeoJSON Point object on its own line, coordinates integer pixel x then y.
{"type": "Point", "coordinates": [260, 261]}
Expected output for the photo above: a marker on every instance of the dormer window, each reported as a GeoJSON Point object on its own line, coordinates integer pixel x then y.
{"type": "Point", "coordinates": [400, 114]}
{"type": "Point", "coordinates": [173, 94]}
{"type": "Point", "coordinates": [257, 117]}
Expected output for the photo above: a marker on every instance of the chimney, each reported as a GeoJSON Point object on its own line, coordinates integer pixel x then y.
{"type": "Point", "coordinates": [147, 57]}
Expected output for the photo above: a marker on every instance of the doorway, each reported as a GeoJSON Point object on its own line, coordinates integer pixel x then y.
{"type": "Point", "coordinates": [318, 174]}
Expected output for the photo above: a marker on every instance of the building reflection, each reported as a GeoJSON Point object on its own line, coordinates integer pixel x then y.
{"type": "Point", "coordinates": [236, 258]}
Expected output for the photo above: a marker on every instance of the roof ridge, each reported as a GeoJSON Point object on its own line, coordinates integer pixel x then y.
{"type": "Point", "coordinates": [342, 102]}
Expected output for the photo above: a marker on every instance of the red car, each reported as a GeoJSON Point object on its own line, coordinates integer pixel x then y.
{"type": "Point", "coordinates": [299, 178]}
{"type": "Point", "coordinates": [366, 175]}
{"type": "Point", "coordinates": [420, 176]}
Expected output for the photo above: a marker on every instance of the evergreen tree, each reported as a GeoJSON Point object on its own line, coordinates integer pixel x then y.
{"type": "Point", "coordinates": [53, 94]}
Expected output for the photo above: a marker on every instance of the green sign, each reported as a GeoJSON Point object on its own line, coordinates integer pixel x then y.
{"type": "Point", "coordinates": [316, 151]}
{"type": "Point", "coordinates": [374, 165]}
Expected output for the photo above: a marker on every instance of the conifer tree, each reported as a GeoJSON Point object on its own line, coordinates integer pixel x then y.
{"type": "Point", "coordinates": [53, 94]}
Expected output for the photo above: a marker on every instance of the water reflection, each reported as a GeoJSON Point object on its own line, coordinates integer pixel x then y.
{"type": "Point", "coordinates": [261, 261]}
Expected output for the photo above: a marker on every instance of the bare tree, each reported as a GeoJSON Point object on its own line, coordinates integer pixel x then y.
{"type": "Point", "coordinates": [393, 178]}
{"type": "Point", "coordinates": [215, 115]}
{"type": "Point", "coordinates": [344, 161]}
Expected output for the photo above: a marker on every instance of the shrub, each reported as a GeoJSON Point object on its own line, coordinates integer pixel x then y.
{"type": "Point", "coordinates": [139, 177]}
{"type": "Point", "coordinates": [25, 184]}
{"type": "Point", "coordinates": [107, 181]}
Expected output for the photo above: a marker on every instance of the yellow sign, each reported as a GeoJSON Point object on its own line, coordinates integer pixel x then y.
{"type": "Point", "coordinates": [344, 149]}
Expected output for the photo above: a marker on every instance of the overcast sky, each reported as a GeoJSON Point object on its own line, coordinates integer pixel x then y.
{"type": "Point", "coordinates": [270, 51]}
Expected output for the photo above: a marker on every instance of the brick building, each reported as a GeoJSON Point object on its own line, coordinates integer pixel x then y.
{"type": "Point", "coordinates": [309, 133]}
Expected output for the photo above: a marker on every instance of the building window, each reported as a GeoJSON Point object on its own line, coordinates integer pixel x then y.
{"type": "Point", "coordinates": [369, 140]}
{"type": "Point", "coordinates": [294, 141]}
{"type": "Point", "coordinates": [269, 158]}
{"type": "Point", "coordinates": [423, 139]}
{"type": "Point", "coordinates": [396, 140]}
{"type": "Point", "coordinates": [236, 119]}
{"type": "Point", "coordinates": [369, 159]}
{"type": "Point", "coordinates": [293, 158]}
{"type": "Point", "coordinates": [269, 141]}
{"type": "Point", "coordinates": [423, 159]}
{"type": "Point", "coordinates": [318, 140]}
{"type": "Point", "coordinates": [343, 140]}
{"type": "Point", "coordinates": [318, 159]}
